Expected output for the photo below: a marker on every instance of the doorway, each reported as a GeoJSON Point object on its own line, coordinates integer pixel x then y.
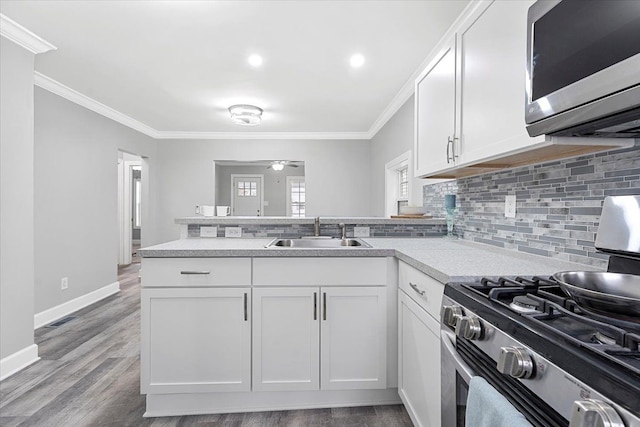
{"type": "Point", "coordinates": [247, 195]}
{"type": "Point", "coordinates": [129, 206]}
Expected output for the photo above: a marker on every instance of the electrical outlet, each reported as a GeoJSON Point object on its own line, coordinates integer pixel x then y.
{"type": "Point", "coordinates": [510, 206]}
{"type": "Point", "coordinates": [233, 232]}
{"type": "Point", "coordinates": [360, 231]}
{"type": "Point", "coordinates": [64, 283]}
{"type": "Point", "coordinates": [208, 231]}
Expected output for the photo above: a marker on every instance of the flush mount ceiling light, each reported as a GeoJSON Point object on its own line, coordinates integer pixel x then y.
{"type": "Point", "coordinates": [245, 115]}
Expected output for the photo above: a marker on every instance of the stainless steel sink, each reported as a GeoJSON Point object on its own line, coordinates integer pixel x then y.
{"type": "Point", "coordinates": [311, 243]}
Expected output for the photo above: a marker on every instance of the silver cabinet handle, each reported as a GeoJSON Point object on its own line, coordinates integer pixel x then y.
{"type": "Point", "coordinates": [324, 306]}
{"type": "Point", "coordinates": [449, 142]}
{"type": "Point", "coordinates": [454, 156]}
{"type": "Point", "coordinates": [416, 288]}
{"type": "Point", "coordinates": [246, 311]}
{"type": "Point", "coordinates": [195, 272]}
{"type": "Point", "coordinates": [315, 306]}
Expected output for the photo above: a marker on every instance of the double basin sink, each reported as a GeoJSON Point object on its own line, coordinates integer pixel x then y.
{"type": "Point", "coordinates": [317, 242]}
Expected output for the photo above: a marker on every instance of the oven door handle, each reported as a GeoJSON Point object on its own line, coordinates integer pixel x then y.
{"type": "Point", "coordinates": [461, 367]}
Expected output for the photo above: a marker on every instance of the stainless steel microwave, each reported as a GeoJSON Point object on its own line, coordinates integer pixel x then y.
{"type": "Point", "coordinates": [583, 68]}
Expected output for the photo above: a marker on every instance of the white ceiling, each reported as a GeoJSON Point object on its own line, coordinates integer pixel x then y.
{"type": "Point", "coordinates": [176, 66]}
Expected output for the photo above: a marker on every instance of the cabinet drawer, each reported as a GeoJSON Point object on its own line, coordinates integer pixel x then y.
{"type": "Point", "coordinates": [166, 272]}
{"type": "Point", "coordinates": [423, 289]}
{"type": "Point", "coordinates": [363, 271]}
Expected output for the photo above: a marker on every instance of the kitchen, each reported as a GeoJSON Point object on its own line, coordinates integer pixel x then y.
{"type": "Point", "coordinates": [177, 167]}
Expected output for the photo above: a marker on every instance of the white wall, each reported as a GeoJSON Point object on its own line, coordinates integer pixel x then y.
{"type": "Point", "coordinates": [337, 174]}
{"type": "Point", "coordinates": [16, 198]}
{"type": "Point", "coordinates": [76, 218]}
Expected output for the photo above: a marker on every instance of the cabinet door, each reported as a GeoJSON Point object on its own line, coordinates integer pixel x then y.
{"type": "Point", "coordinates": [353, 338]}
{"type": "Point", "coordinates": [435, 113]}
{"type": "Point", "coordinates": [491, 71]}
{"type": "Point", "coordinates": [418, 362]}
{"type": "Point", "coordinates": [286, 339]}
{"type": "Point", "coordinates": [195, 340]}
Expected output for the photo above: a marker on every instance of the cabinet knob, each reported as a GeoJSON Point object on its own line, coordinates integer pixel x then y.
{"type": "Point", "coordinates": [515, 362]}
{"type": "Point", "coordinates": [594, 413]}
{"type": "Point", "coordinates": [469, 327]}
{"type": "Point", "coordinates": [451, 314]}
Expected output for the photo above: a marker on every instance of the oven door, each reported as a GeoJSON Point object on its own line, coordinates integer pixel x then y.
{"type": "Point", "coordinates": [460, 361]}
{"type": "Point", "coordinates": [455, 376]}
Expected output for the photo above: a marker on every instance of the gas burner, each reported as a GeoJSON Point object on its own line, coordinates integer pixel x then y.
{"type": "Point", "coordinates": [601, 338]}
{"type": "Point", "coordinates": [525, 304]}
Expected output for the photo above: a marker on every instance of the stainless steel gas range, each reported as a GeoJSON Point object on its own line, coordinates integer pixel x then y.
{"type": "Point", "coordinates": [560, 358]}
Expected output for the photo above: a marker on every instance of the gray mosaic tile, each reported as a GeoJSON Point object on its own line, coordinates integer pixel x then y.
{"type": "Point", "coordinates": [558, 203]}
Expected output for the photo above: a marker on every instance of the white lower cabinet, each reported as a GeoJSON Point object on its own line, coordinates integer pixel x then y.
{"type": "Point", "coordinates": [195, 340]}
{"type": "Point", "coordinates": [286, 339]}
{"type": "Point", "coordinates": [327, 338]}
{"type": "Point", "coordinates": [353, 338]}
{"type": "Point", "coordinates": [419, 362]}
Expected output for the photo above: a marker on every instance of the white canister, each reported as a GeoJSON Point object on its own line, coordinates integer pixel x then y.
{"type": "Point", "coordinates": [207, 210]}
{"type": "Point", "coordinates": [223, 210]}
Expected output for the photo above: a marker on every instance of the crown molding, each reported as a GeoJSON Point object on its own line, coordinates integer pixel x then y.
{"type": "Point", "coordinates": [76, 97]}
{"type": "Point", "coordinates": [66, 92]}
{"type": "Point", "coordinates": [261, 135]}
{"type": "Point", "coordinates": [23, 37]}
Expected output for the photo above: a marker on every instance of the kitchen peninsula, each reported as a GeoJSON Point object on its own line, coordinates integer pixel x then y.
{"type": "Point", "coordinates": [229, 325]}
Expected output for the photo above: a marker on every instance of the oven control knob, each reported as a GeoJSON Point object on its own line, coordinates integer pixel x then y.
{"type": "Point", "coordinates": [594, 413]}
{"type": "Point", "coordinates": [451, 314]}
{"type": "Point", "coordinates": [515, 362]}
{"type": "Point", "coordinates": [469, 328]}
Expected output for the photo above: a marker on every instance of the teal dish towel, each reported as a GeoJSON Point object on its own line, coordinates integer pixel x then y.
{"type": "Point", "coordinates": [486, 407]}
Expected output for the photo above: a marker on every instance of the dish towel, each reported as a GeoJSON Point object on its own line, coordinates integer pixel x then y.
{"type": "Point", "coordinates": [486, 407]}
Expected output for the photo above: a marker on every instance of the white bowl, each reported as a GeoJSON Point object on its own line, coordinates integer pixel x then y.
{"type": "Point", "coordinates": [413, 210]}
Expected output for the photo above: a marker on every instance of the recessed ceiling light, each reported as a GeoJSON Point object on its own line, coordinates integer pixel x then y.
{"type": "Point", "coordinates": [255, 60]}
{"type": "Point", "coordinates": [357, 60]}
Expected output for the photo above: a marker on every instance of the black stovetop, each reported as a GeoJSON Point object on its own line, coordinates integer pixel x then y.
{"type": "Point", "coordinates": [601, 351]}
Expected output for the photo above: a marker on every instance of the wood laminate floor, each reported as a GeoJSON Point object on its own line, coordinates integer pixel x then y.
{"type": "Point", "coordinates": [89, 375]}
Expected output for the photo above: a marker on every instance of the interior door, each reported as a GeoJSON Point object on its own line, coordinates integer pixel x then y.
{"type": "Point", "coordinates": [247, 195]}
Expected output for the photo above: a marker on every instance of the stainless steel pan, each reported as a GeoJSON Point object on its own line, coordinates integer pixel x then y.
{"type": "Point", "coordinates": [603, 292]}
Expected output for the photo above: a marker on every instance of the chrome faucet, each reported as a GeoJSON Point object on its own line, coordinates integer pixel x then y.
{"type": "Point", "coordinates": [343, 229]}
{"type": "Point", "coordinates": [316, 226]}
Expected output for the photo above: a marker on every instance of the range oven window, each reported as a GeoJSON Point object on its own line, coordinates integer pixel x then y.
{"type": "Point", "coordinates": [587, 28]}
{"type": "Point", "coordinates": [462, 392]}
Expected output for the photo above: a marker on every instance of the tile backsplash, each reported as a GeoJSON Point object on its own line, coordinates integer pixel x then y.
{"type": "Point", "coordinates": [296, 230]}
{"type": "Point", "coordinates": [558, 204]}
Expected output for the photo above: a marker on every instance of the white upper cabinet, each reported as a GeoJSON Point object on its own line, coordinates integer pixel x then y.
{"type": "Point", "coordinates": [469, 100]}
{"type": "Point", "coordinates": [491, 70]}
{"type": "Point", "coordinates": [435, 113]}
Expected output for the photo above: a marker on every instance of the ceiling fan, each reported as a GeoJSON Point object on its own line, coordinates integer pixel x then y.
{"type": "Point", "coordinates": [279, 165]}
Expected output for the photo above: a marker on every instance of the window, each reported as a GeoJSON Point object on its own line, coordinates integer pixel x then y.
{"type": "Point", "coordinates": [296, 194]}
{"type": "Point", "coordinates": [247, 188]}
{"type": "Point", "coordinates": [403, 179]}
{"type": "Point", "coordinates": [398, 183]}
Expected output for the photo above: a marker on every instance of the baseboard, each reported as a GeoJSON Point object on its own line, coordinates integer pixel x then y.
{"type": "Point", "coordinates": [18, 361]}
{"type": "Point", "coordinates": [45, 317]}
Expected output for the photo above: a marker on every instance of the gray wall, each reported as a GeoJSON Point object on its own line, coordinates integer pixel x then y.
{"type": "Point", "coordinates": [394, 139]}
{"type": "Point", "coordinates": [16, 198]}
{"type": "Point", "coordinates": [76, 224]}
{"type": "Point", "coordinates": [275, 185]}
{"type": "Point", "coordinates": [337, 174]}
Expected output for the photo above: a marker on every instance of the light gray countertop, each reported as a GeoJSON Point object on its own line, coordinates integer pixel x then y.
{"type": "Point", "coordinates": [443, 259]}
{"type": "Point", "coordinates": [285, 220]}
